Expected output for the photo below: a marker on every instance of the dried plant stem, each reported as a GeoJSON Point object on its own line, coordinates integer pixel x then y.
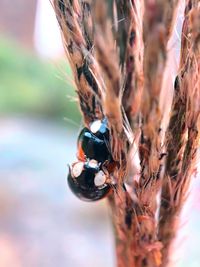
{"type": "Point", "coordinates": [156, 34]}
{"type": "Point", "coordinates": [182, 134]}
{"type": "Point", "coordinates": [134, 65]}
{"type": "Point", "coordinates": [176, 135]}
{"type": "Point", "coordinates": [117, 50]}
{"type": "Point", "coordinates": [78, 46]}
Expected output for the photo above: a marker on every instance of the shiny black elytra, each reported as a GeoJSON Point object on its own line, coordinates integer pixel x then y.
{"type": "Point", "coordinates": [83, 186]}
{"type": "Point", "coordinates": [92, 146]}
{"type": "Point", "coordinates": [95, 145]}
{"type": "Point", "coordinates": [89, 181]}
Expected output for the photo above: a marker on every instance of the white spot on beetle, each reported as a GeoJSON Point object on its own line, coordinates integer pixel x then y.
{"type": "Point", "coordinates": [100, 179]}
{"type": "Point", "coordinates": [77, 169]}
{"type": "Point", "coordinates": [93, 163]}
{"type": "Point", "coordinates": [95, 126]}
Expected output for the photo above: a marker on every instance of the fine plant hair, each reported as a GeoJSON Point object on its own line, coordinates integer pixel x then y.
{"type": "Point", "coordinates": [118, 51]}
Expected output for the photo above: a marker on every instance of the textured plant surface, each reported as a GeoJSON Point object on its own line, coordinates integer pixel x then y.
{"type": "Point", "coordinates": [118, 51]}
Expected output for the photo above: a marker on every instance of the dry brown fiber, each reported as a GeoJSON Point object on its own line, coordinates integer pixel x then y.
{"type": "Point", "coordinates": [118, 52]}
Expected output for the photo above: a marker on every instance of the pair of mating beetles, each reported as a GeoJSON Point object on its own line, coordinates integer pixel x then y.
{"type": "Point", "coordinates": [89, 177]}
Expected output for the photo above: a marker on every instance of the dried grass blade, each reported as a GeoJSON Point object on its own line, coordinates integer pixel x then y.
{"type": "Point", "coordinates": [78, 46]}
{"type": "Point", "coordinates": [183, 131]}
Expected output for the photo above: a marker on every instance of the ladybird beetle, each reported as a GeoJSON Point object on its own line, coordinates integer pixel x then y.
{"type": "Point", "coordinates": [88, 178]}
{"type": "Point", "coordinates": [92, 147]}
{"type": "Point", "coordinates": [93, 142]}
{"type": "Point", "coordinates": [100, 129]}
{"type": "Point", "coordinates": [87, 181]}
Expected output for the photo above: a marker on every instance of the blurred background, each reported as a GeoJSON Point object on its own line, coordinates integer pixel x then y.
{"type": "Point", "coordinates": [41, 223]}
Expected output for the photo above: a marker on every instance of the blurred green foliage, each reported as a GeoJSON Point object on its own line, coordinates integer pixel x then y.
{"type": "Point", "coordinates": [31, 86]}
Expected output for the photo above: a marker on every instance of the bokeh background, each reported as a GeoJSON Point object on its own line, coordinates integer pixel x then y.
{"type": "Point", "coordinates": [41, 223]}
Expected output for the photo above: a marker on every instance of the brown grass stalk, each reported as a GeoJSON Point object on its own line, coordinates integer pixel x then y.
{"type": "Point", "coordinates": [117, 50]}
{"type": "Point", "coordinates": [182, 134]}
{"type": "Point", "coordinates": [78, 44]}
{"type": "Point", "coordinates": [134, 66]}
{"type": "Point", "coordinates": [156, 32]}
